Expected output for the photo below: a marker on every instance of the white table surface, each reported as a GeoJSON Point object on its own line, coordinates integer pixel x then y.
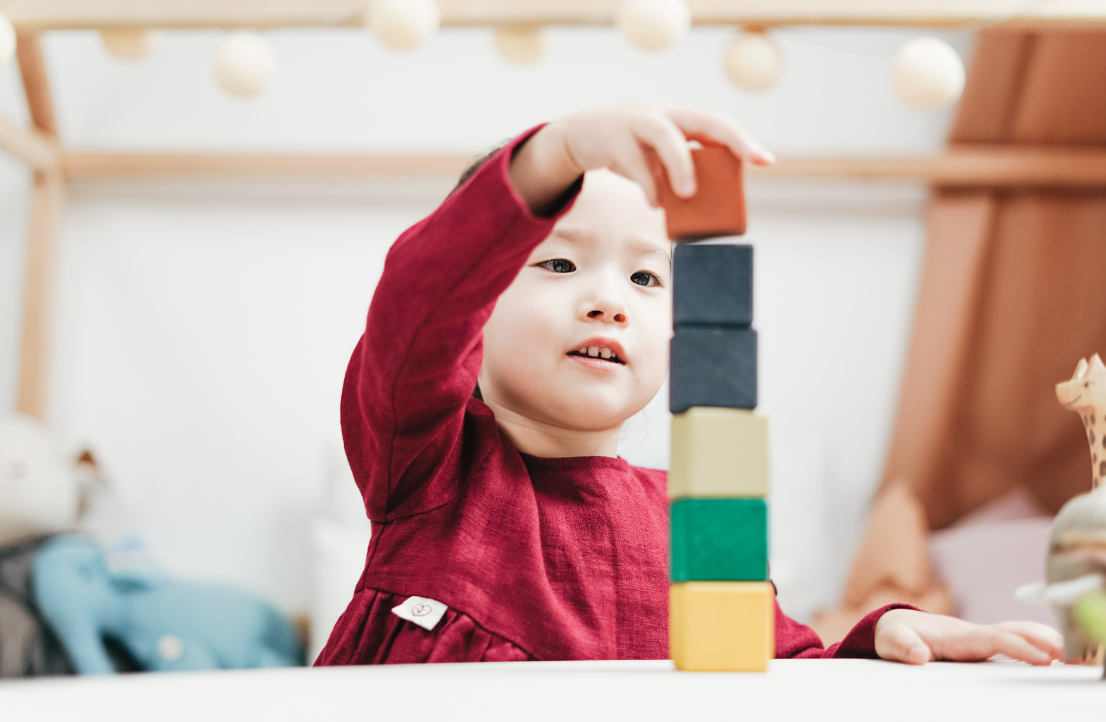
{"type": "Point", "coordinates": [791, 690]}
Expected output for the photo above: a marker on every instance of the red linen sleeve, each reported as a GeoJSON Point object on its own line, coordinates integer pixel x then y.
{"type": "Point", "coordinates": [798, 641]}
{"type": "Point", "coordinates": [414, 369]}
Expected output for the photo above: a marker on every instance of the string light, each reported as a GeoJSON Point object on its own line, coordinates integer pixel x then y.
{"type": "Point", "coordinates": [653, 24]}
{"type": "Point", "coordinates": [928, 73]}
{"type": "Point", "coordinates": [244, 64]}
{"type": "Point", "coordinates": [753, 61]}
{"type": "Point", "coordinates": [129, 44]}
{"type": "Point", "coordinates": [520, 44]}
{"type": "Point", "coordinates": [403, 24]}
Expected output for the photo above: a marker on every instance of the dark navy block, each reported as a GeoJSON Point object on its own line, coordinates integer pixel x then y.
{"type": "Point", "coordinates": [713, 284]}
{"type": "Point", "coordinates": [713, 366]}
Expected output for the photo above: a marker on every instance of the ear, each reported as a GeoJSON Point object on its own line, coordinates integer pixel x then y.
{"type": "Point", "coordinates": [1097, 368]}
{"type": "Point", "coordinates": [1080, 370]}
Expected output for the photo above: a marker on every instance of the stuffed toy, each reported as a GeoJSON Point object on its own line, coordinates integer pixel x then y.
{"type": "Point", "coordinates": [162, 624]}
{"type": "Point", "coordinates": [39, 493]}
{"type": "Point", "coordinates": [27, 646]}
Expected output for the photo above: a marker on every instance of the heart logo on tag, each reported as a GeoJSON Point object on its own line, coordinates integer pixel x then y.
{"type": "Point", "coordinates": [422, 611]}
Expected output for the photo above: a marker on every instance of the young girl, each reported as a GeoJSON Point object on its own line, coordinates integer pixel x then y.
{"type": "Point", "coordinates": [512, 333]}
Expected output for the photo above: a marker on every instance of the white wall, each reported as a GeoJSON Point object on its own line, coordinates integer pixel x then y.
{"type": "Point", "coordinates": [203, 328]}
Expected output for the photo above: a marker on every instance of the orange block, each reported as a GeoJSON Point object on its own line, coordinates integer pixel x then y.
{"type": "Point", "coordinates": [717, 209]}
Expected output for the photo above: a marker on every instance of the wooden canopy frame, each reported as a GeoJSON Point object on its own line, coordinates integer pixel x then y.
{"type": "Point", "coordinates": [40, 148]}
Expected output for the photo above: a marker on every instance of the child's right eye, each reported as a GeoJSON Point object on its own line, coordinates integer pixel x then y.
{"type": "Point", "coordinates": [558, 265]}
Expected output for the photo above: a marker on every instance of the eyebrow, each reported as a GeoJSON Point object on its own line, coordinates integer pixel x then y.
{"type": "Point", "coordinates": [645, 248]}
{"type": "Point", "coordinates": [638, 246]}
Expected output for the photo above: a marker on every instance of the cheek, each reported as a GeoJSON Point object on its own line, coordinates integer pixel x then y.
{"type": "Point", "coordinates": [520, 331]}
{"type": "Point", "coordinates": [656, 330]}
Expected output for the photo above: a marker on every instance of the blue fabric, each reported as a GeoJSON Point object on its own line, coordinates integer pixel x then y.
{"type": "Point", "coordinates": [164, 625]}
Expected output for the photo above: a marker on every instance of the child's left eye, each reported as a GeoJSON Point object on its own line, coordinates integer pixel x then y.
{"type": "Point", "coordinates": [644, 278]}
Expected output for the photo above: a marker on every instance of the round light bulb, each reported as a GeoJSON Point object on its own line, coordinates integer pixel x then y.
{"type": "Point", "coordinates": [753, 61]}
{"type": "Point", "coordinates": [244, 63]}
{"type": "Point", "coordinates": [520, 45]}
{"type": "Point", "coordinates": [129, 44]}
{"type": "Point", "coordinates": [928, 73]}
{"type": "Point", "coordinates": [403, 24]}
{"type": "Point", "coordinates": [653, 24]}
{"type": "Point", "coordinates": [7, 40]}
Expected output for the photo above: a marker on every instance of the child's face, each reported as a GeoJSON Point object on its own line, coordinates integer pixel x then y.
{"type": "Point", "coordinates": [601, 282]}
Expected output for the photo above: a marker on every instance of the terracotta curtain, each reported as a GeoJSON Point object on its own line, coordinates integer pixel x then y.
{"type": "Point", "coordinates": [1012, 295]}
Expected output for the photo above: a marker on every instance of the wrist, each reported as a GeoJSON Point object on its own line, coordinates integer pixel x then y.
{"type": "Point", "coordinates": [542, 169]}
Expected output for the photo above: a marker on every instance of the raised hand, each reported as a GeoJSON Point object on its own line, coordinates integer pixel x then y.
{"type": "Point", "coordinates": [619, 138]}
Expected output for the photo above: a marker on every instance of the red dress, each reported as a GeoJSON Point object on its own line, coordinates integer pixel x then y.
{"type": "Point", "coordinates": [535, 558]}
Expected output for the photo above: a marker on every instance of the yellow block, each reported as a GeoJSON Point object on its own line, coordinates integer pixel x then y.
{"type": "Point", "coordinates": [722, 626]}
{"type": "Point", "coordinates": [718, 452]}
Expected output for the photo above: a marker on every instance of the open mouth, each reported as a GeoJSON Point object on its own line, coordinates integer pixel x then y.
{"type": "Point", "coordinates": [598, 353]}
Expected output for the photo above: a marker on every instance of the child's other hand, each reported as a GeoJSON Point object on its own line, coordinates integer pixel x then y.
{"type": "Point", "coordinates": [903, 635]}
{"type": "Point", "coordinates": [617, 138]}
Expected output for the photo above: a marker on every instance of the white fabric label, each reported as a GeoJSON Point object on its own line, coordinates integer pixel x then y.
{"type": "Point", "coordinates": [422, 611]}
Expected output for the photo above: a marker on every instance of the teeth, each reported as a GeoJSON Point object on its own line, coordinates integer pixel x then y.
{"type": "Point", "coordinates": [599, 352]}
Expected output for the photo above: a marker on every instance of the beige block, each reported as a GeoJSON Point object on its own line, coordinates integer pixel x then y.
{"type": "Point", "coordinates": [718, 452]}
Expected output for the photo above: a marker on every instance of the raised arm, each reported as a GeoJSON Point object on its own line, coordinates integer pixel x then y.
{"type": "Point", "coordinates": [415, 367]}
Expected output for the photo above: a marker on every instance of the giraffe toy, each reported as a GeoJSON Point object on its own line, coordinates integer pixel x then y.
{"type": "Point", "coordinates": [1085, 394]}
{"type": "Point", "coordinates": [1076, 567]}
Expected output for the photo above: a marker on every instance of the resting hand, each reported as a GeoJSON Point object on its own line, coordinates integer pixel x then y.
{"type": "Point", "coordinates": [904, 635]}
{"type": "Point", "coordinates": [617, 138]}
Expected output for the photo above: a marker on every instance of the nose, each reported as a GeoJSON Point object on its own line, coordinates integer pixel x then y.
{"type": "Point", "coordinates": [606, 306]}
{"type": "Point", "coordinates": [599, 314]}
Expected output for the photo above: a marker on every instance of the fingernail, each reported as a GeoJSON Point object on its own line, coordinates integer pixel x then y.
{"type": "Point", "coordinates": [687, 187]}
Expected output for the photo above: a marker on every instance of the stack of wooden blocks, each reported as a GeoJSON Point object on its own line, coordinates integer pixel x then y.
{"type": "Point", "coordinates": [722, 605]}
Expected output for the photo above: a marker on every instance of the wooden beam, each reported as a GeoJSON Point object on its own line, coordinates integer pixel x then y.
{"type": "Point", "coordinates": [33, 147]}
{"type": "Point", "coordinates": [47, 199]}
{"type": "Point", "coordinates": [41, 15]}
{"type": "Point", "coordinates": [961, 166]}
{"type": "Point", "coordinates": [36, 86]}
{"type": "Point", "coordinates": [97, 165]}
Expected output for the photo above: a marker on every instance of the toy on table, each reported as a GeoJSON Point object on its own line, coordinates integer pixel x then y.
{"type": "Point", "coordinates": [1077, 545]}
{"type": "Point", "coordinates": [1076, 566]}
{"type": "Point", "coordinates": [1090, 613]}
{"type": "Point", "coordinates": [39, 493]}
{"type": "Point", "coordinates": [162, 624]}
{"type": "Point", "coordinates": [722, 607]}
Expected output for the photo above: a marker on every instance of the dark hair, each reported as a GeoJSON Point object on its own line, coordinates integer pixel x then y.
{"type": "Point", "coordinates": [478, 164]}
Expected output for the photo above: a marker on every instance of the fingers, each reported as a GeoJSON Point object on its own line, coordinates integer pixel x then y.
{"type": "Point", "coordinates": [1046, 639]}
{"type": "Point", "coordinates": [665, 138]}
{"type": "Point", "coordinates": [632, 164]}
{"type": "Point", "coordinates": [626, 139]}
{"type": "Point", "coordinates": [1000, 641]}
{"type": "Point", "coordinates": [720, 129]}
{"type": "Point", "coordinates": [900, 643]}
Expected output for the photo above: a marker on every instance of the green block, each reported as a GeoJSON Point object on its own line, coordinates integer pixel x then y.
{"type": "Point", "coordinates": [723, 540]}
